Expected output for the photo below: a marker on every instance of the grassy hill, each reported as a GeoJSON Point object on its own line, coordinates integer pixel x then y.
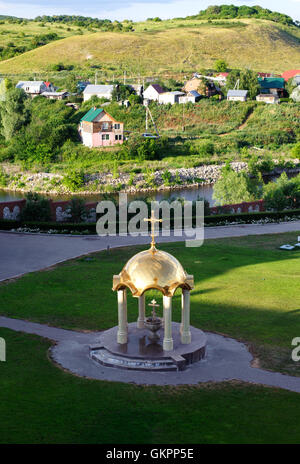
{"type": "Point", "coordinates": [177, 46]}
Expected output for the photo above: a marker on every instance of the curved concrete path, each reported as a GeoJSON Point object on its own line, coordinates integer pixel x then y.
{"type": "Point", "coordinates": [226, 359]}
{"type": "Point", "coordinates": [23, 253]}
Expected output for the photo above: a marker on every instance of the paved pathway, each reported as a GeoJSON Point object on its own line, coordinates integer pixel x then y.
{"type": "Point", "coordinates": [22, 253]}
{"type": "Point", "coordinates": [226, 359]}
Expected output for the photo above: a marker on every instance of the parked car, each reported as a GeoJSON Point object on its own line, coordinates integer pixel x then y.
{"type": "Point", "coordinates": [147, 135]}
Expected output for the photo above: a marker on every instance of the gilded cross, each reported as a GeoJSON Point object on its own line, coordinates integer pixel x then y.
{"type": "Point", "coordinates": [152, 220]}
{"type": "Point", "coordinates": [153, 305]}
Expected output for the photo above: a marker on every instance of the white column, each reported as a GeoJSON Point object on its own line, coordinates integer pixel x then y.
{"type": "Point", "coordinates": [122, 317]}
{"type": "Point", "coordinates": [168, 340]}
{"type": "Point", "coordinates": [141, 318]}
{"type": "Point", "coordinates": [185, 322]}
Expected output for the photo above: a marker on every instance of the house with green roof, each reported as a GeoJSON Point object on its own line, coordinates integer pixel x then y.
{"type": "Point", "coordinates": [97, 128]}
{"type": "Point", "coordinates": [273, 85]}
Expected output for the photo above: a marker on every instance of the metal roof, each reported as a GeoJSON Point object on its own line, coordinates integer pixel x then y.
{"type": "Point", "coordinates": [237, 93]}
{"type": "Point", "coordinates": [94, 89]}
{"type": "Point", "coordinates": [56, 94]}
{"type": "Point", "coordinates": [91, 114]}
{"type": "Point", "coordinates": [20, 84]}
{"type": "Point", "coordinates": [271, 82]}
{"type": "Point", "coordinates": [194, 93]}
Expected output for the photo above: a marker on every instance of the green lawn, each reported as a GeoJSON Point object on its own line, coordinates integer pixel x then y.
{"type": "Point", "coordinates": [40, 403]}
{"type": "Point", "coordinates": [244, 287]}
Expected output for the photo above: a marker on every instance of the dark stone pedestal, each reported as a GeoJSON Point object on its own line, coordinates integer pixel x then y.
{"type": "Point", "coordinates": [139, 353]}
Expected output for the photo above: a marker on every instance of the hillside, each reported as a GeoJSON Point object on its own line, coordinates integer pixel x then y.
{"type": "Point", "coordinates": [174, 45]}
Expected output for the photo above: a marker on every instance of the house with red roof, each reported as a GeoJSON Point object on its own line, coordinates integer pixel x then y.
{"type": "Point", "coordinates": [34, 88]}
{"type": "Point", "coordinates": [290, 73]}
{"type": "Point", "coordinates": [99, 129]}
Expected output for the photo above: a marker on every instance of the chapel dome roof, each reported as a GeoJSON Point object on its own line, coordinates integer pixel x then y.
{"type": "Point", "coordinates": [153, 269]}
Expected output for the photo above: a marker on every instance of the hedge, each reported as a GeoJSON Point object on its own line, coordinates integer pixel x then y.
{"type": "Point", "coordinates": [216, 219]}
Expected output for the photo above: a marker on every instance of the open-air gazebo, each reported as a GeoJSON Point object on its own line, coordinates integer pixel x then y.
{"type": "Point", "coordinates": [154, 269]}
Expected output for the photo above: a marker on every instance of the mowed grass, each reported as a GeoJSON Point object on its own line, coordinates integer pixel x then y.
{"type": "Point", "coordinates": [177, 47]}
{"type": "Point", "coordinates": [40, 403]}
{"type": "Point", "coordinates": [244, 287]}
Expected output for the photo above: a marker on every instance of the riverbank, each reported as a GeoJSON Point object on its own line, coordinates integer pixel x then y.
{"type": "Point", "coordinates": [134, 183]}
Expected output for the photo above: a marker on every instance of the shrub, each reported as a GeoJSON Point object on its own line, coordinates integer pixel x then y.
{"type": "Point", "coordinates": [77, 210]}
{"type": "Point", "coordinates": [37, 208]}
{"type": "Point", "coordinates": [282, 194]}
{"type": "Point", "coordinates": [235, 187]}
{"type": "Point", "coordinates": [74, 180]}
{"type": "Point", "coordinates": [295, 151]}
{"type": "Point", "coordinates": [166, 177]}
{"type": "Point", "coordinates": [3, 178]}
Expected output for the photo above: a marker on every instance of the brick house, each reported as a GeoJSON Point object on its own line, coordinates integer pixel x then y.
{"type": "Point", "coordinates": [99, 129]}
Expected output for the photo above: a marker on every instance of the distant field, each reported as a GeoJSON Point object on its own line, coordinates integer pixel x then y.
{"type": "Point", "coordinates": [157, 48]}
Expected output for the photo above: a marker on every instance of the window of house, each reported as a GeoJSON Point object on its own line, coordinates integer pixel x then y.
{"type": "Point", "coordinates": [105, 136]}
{"type": "Point", "coordinates": [118, 137]}
{"type": "Point", "coordinates": [117, 126]}
{"type": "Point", "coordinates": [105, 126]}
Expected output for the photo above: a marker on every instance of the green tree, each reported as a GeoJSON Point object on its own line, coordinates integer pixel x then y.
{"type": "Point", "coordinates": [13, 110]}
{"type": "Point", "coordinates": [282, 194]}
{"type": "Point", "coordinates": [234, 187]}
{"type": "Point", "coordinates": [247, 81]}
{"type": "Point", "coordinates": [71, 83]}
{"type": "Point", "coordinates": [221, 66]}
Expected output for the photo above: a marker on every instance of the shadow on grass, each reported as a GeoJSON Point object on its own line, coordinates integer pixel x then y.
{"type": "Point", "coordinates": [247, 295]}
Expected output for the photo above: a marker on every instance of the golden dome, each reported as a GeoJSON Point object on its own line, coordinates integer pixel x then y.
{"type": "Point", "coordinates": [153, 269]}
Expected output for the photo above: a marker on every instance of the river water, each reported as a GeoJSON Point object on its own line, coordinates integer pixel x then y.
{"type": "Point", "coordinates": [188, 193]}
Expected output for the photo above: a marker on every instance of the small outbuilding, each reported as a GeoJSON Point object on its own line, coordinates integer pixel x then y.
{"type": "Point", "coordinates": [267, 98]}
{"type": "Point", "coordinates": [191, 97]}
{"type": "Point", "coordinates": [55, 95]}
{"type": "Point", "coordinates": [237, 95]}
{"type": "Point", "coordinates": [170, 97]}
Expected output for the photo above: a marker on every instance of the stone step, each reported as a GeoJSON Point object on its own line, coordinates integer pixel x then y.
{"type": "Point", "coordinates": [104, 357]}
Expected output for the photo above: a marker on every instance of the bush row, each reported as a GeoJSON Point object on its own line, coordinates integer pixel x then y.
{"type": "Point", "coordinates": [216, 219]}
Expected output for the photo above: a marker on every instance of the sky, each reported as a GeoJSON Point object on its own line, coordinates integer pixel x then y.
{"type": "Point", "coordinates": [136, 10]}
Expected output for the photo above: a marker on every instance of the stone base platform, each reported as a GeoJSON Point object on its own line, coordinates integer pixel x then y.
{"type": "Point", "coordinates": [142, 354]}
